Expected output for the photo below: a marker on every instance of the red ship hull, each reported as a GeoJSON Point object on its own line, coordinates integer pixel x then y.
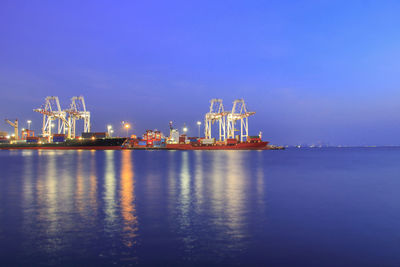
{"type": "Point", "coordinates": [239, 146]}
{"type": "Point", "coordinates": [63, 148]}
{"type": "Point", "coordinates": [84, 144]}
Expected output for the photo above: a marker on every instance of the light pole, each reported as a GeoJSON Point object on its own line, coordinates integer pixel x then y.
{"type": "Point", "coordinates": [185, 128]}
{"type": "Point", "coordinates": [199, 124]}
{"type": "Point", "coordinates": [127, 126]}
{"type": "Point", "coordinates": [29, 124]}
{"type": "Point", "coordinates": [109, 129]}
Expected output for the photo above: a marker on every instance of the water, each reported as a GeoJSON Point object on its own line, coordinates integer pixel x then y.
{"type": "Point", "coordinates": [299, 207]}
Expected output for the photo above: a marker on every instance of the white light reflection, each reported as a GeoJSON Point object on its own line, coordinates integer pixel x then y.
{"type": "Point", "coordinates": [171, 178]}
{"type": "Point", "coordinates": [48, 215]}
{"type": "Point", "coordinates": [199, 179]}
{"type": "Point", "coordinates": [109, 187]}
{"type": "Point", "coordinates": [184, 183]}
{"type": "Point", "coordinates": [93, 183]}
{"type": "Point", "coordinates": [28, 174]}
{"type": "Point", "coordinates": [79, 190]}
{"type": "Point", "coordinates": [51, 194]}
{"type": "Point", "coordinates": [28, 195]}
{"type": "Point", "coordinates": [260, 182]}
{"type": "Point", "coordinates": [217, 177]}
{"type": "Point", "coordinates": [235, 192]}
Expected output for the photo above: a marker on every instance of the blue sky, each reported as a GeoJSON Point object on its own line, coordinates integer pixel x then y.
{"type": "Point", "coordinates": [314, 71]}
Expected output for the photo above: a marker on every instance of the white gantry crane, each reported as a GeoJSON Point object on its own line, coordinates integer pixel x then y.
{"type": "Point", "coordinates": [216, 113]}
{"type": "Point", "coordinates": [51, 110]}
{"type": "Point", "coordinates": [77, 111]}
{"type": "Point", "coordinates": [239, 112]}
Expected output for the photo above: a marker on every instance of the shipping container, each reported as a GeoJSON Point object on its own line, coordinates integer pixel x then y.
{"type": "Point", "coordinates": [231, 141]}
{"type": "Point", "coordinates": [210, 141]}
{"type": "Point", "coordinates": [101, 134]}
{"type": "Point", "coordinates": [58, 139]}
{"type": "Point", "coordinates": [95, 135]}
{"type": "Point", "coordinates": [87, 135]}
{"type": "Point", "coordinates": [142, 143]}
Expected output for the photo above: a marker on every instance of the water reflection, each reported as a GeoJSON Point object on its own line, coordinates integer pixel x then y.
{"type": "Point", "coordinates": [80, 189]}
{"type": "Point", "coordinates": [49, 194]}
{"type": "Point", "coordinates": [184, 183]}
{"type": "Point", "coordinates": [93, 183]}
{"type": "Point", "coordinates": [109, 188]}
{"type": "Point", "coordinates": [198, 202]}
{"type": "Point", "coordinates": [28, 175]}
{"type": "Point", "coordinates": [128, 208]}
{"type": "Point", "coordinates": [198, 179]}
{"type": "Point", "coordinates": [235, 193]}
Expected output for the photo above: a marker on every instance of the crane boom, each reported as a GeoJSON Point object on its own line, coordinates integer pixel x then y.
{"type": "Point", "coordinates": [15, 125]}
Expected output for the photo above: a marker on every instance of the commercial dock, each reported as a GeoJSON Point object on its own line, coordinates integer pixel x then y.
{"type": "Point", "coordinates": [65, 137]}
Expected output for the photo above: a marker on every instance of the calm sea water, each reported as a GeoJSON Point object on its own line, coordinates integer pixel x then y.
{"type": "Point", "coordinates": [299, 207]}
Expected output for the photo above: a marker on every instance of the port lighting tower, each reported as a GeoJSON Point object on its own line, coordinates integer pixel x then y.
{"type": "Point", "coordinates": [199, 124]}
{"type": "Point", "coordinates": [216, 113]}
{"type": "Point", "coordinates": [239, 112]}
{"type": "Point", "coordinates": [29, 124]}
{"type": "Point", "coordinates": [126, 127]}
{"type": "Point", "coordinates": [15, 125]}
{"type": "Point", "coordinates": [77, 111]}
{"type": "Point", "coordinates": [51, 110]}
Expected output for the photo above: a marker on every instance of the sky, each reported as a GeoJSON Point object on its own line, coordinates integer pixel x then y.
{"type": "Point", "coordinates": [313, 71]}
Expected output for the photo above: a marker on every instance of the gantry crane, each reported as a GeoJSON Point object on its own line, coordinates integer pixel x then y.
{"type": "Point", "coordinates": [51, 110]}
{"type": "Point", "coordinates": [77, 111]}
{"type": "Point", "coordinates": [216, 113]}
{"type": "Point", "coordinates": [15, 125]}
{"type": "Point", "coordinates": [239, 112]}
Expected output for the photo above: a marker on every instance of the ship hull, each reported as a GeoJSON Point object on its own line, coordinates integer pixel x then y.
{"type": "Point", "coordinates": [239, 146]}
{"type": "Point", "coordinates": [97, 144]}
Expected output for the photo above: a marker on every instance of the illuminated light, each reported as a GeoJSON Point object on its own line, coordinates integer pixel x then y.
{"type": "Point", "coordinates": [127, 126]}
{"type": "Point", "coordinates": [93, 138]}
{"type": "Point", "coordinates": [109, 127]}
{"type": "Point", "coordinates": [199, 123]}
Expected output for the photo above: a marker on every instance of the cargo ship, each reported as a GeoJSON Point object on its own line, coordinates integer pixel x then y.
{"type": "Point", "coordinates": [155, 140]}
{"type": "Point", "coordinates": [88, 141]}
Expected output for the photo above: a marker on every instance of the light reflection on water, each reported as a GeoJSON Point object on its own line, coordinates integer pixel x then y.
{"type": "Point", "coordinates": [88, 195]}
{"type": "Point", "coordinates": [110, 190]}
{"type": "Point", "coordinates": [225, 207]}
{"type": "Point", "coordinates": [128, 200]}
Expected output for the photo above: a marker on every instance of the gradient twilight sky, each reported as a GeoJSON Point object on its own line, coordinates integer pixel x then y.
{"type": "Point", "coordinates": [314, 71]}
